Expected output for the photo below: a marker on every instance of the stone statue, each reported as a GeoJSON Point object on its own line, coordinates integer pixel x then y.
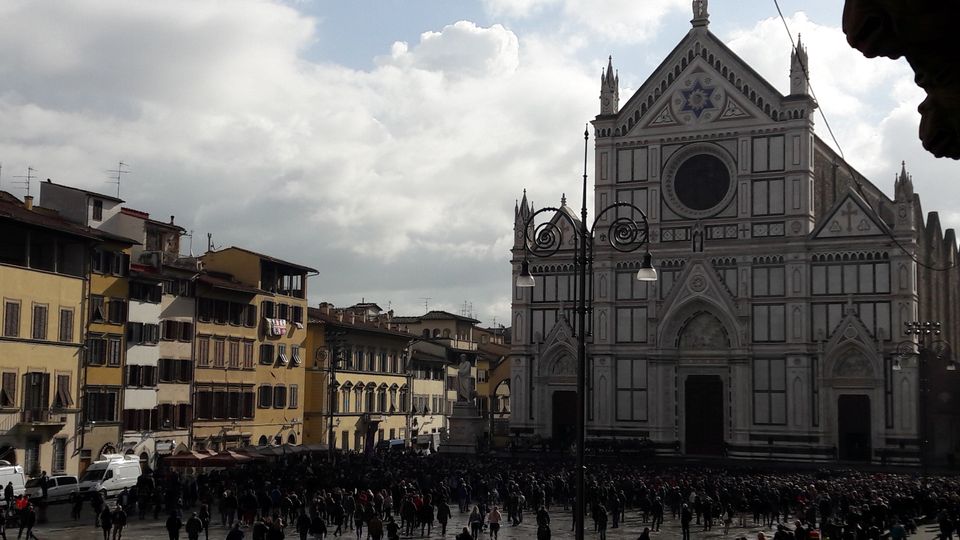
{"type": "Point", "coordinates": [464, 381]}
{"type": "Point", "coordinates": [700, 9]}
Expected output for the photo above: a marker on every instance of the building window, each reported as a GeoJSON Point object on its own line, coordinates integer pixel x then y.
{"type": "Point", "coordinates": [101, 404]}
{"type": "Point", "coordinates": [117, 311]}
{"type": "Point", "coordinates": [247, 355]}
{"type": "Point", "coordinates": [11, 319]}
{"type": "Point", "coordinates": [265, 399]}
{"type": "Point", "coordinates": [768, 323]}
{"type": "Point", "coordinates": [59, 464]}
{"type": "Point", "coordinates": [250, 315]}
{"type": "Point", "coordinates": [295, 355]}
{"type": "Point", "coordinates": [267, 307]}
{"type": "Point", "coordinates": [629, 288]}
{"type": "Point", "coordinates": [768, 153]}
{"type": "Point", "coordinates": [8, 391]}
{"type": "Point", "coordinates": [768, 281]}
{"type": "Point", "coordinates": [851, 278]}
{"type": "Point", "coordinates": [346, 399]}
{"type": "Point", "coordinates": [203, 351]}
{"type": "Point", "coordinates": [97, 210]}
{"type": "Point", "coordinates": [266, 354]}
{"type": "Point", "coordinates": [218, 353]}
{"type": "Point", "coordinates": [174, 371]}
{"type": "Point", "coordinates": [283, 311]}
{"type": "Point", "coordinates": [62, 399]}
{"type": "Point", "coordinates": [141, 376]}
{"type": "Point", "coordinates": [294, 397]}
{"type": "Point", "coordinates": [279, 397]}
{"type": "Point", "coordinates": [281, 354]}
{"type": "Point", "coordinates": [145, 292]}
{"type": "Point", "coordinates": [632, 325]}
{"type": "Point", "coordinates": [234, 357]}
{"type": "Point", "coordinates": [113, 350]}
{"type": "Point", "coordinates": [98, 312]}
{"type": "Point", "coordinates": [631, 390]}
{"type": "Point", "coordinates": [142, 333]}
{"type": "Point", "coordinates": [66, 325]}
{"type": "Point", "coordinates": [768, 197]}
{"type": "Point", "coordinates": [769, 391]}
{"type": "Point", "coordinates": [39, 322]}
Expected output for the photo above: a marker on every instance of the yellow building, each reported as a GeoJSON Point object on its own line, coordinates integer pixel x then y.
{"type": "Point", "coordinates": [249, 350]}
{"type": "Point", "coordinates": [371, 398]}
{"type": "Point", "coordinates": [44, 265]}
{"type": "Point", "coordinates": [106, 316]}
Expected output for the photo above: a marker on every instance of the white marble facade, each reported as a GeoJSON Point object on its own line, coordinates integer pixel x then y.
{"type": "Point", "coordinates": [781, 292]}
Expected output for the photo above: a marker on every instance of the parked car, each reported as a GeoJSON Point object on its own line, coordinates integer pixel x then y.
{"type": "Point", "coordinates": [110, 475]}
{"type": "Point", "coordinates": [59, 488]}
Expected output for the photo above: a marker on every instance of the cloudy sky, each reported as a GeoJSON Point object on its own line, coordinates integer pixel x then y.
{"type": "Point", "coordinates": [385, 142]}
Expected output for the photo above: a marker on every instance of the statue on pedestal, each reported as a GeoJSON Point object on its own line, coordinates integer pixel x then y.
{"type": "Point", "coordinates": [465, 389]}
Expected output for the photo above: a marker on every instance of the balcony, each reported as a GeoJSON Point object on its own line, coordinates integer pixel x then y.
{"type": "Point", "coordinates": [372, 418]}
{"type": "Point", "coordinates": [42, 417]}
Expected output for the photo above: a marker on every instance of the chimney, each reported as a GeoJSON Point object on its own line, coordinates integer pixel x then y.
{"type": "Point", "coordinates": [28, 202]}
{"type": "Point", "coordinates": [171, 220]}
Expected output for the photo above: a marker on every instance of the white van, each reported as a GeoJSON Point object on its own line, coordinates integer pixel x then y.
{"type": "Point", "coordinates": [110, 475]}
{"type": "Point", "coordinates": [12, 474]}
{"type": "Point", "coordinates": [59, 488]}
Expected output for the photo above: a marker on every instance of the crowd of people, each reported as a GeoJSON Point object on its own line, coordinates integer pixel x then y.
{"type": "Point", "coordinates": [393, 495]}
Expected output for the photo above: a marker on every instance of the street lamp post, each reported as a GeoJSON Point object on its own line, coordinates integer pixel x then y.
{"type": "Point", "coordinates": [928, 345]}
{"type": "Point", "coordinates": [334, 339]}
{"type": "Point", "coordinates": [624, 234]}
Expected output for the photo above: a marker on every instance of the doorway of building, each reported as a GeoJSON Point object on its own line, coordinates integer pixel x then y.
{"type": "Point", "coordinates": [564, 418]}
{"type": "Point", "coordinates": [853, 428]}
{"type": "Point", "coordinates": [704, 415]}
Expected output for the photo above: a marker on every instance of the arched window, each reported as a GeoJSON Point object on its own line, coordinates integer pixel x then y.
{"type": "Point", "coordinates": [264, 441]}
{"type": "Point", "coordinates": [446, 332]}
{"type": "Point", "coordinates": [382, 399]}
{"type": "Point", "coordinates": [291, 439]}
{"type": "Point", "coordinates": [436, 332]}
{"type": "Point", "coordinates": [370, 399]}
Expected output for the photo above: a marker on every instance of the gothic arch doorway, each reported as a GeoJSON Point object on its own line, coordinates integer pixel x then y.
{"type": "Point", "coordinates": [564, 418]}
{"type": "Point", "coordinates": [703, 417]}
{"type": "Point", "coordinates": [853, 427]}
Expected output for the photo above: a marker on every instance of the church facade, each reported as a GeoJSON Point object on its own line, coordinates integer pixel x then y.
{"type": "Point", "coordinates": [785, 280]}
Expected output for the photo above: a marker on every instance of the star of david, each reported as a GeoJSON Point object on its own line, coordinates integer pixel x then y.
{"type": "Point", "coordinates": [697, 99]}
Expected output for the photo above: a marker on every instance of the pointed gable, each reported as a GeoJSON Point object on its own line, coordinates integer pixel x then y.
{"type": "Point", "coordinates": [698, 286]}
{"type": "Point", "coordinates": [850, 216]}
{"type": "Point", "coordinates": [700, 81]}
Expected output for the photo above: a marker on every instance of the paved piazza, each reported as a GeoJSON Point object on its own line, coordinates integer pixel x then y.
{"type": "Point", "coordinates": [60, 526]}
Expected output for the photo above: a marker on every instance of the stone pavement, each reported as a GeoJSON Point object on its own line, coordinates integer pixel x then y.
{"type": "Point", "coordinates": [59, 526]}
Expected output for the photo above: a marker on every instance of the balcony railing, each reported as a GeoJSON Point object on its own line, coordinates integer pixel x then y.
{"type": "Point", "coordinates": [41, 416]}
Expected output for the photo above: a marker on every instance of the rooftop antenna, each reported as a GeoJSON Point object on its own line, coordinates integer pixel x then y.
{"type": "Point", "coordinates": [209, 242]}
{"type": "Point", "coordinates": [118, 171]}
{"type": "Point", "coordinates": [190, 236]}
{"type": "Point", "coordinates": [27, 179]}
{"type": "Point", "coordinates": [426, 303]}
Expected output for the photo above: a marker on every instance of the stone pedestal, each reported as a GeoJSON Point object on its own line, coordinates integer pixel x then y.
{"type": "Point", "coordinates": [466, 429]}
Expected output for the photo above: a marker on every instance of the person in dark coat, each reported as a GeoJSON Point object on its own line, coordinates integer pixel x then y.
{"type": "Point", "coordinates": [174, 524]}
{"type": "Point", "coordinates": [194, 527]}
{"type": "Point", "coordinates": [119, 522]}
{"type": "Point", "coordinates": [28, 520]}
{"type": "Point", "coordinates": [236, 533]}
{"type": "Point", "coordinates": [106, 522]}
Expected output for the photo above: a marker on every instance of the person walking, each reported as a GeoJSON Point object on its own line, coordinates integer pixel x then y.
{"type": "Point", "coordinates": [106, 522]}
{"type": "Point", "coordinates": [476, 523]}
{"type": "Point", "coordinates": [205, 516]}
{"type": "Point", "coordinates": [493, 519]}
{"type": "Point", "coordinates": [236, 533]}
{"type": "Point", "coordinates": [28, 520]}
{"type": "Point", "coordinates": [374, 528]}
{"type": "Point", "coordinates": [443, 516]}
{"type": "Point", "coordinates": [119, 522]}
{"type": "Point", "coordinates": [303, 524]}
{"type": "Point", "coordinates": [194, 527]}
{"type": "Point", "coordinates": [686, 516]}
{"type": "Point", "coordinates": [76, 505]}
{"type": "Point", "coordinates": [173, 526]}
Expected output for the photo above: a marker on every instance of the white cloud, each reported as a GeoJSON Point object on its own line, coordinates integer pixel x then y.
{"type": "Point", "coordinates": [399, 178]}
{"type": "Point", "coordinates": [518, 8]}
